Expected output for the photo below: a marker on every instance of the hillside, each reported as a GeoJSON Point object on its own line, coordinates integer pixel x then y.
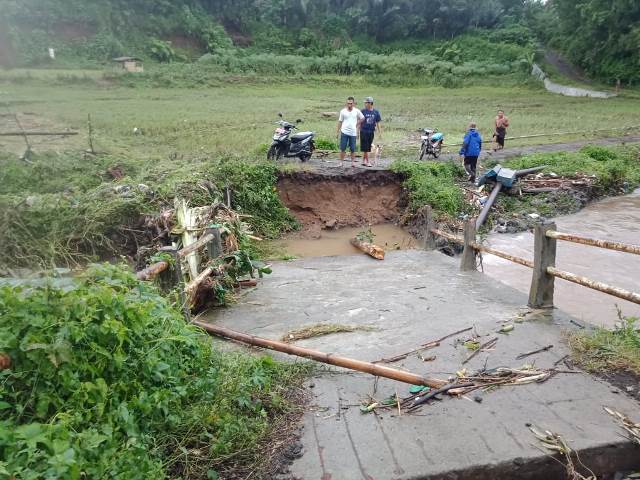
{"type": "Point", "coordinates": [182, 30]}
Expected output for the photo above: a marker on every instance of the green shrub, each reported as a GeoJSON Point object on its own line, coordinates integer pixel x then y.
{"type": "Point", "coordinates": [107, 381]}
{"type": "Point", "coordinates": [613, 167]}
{"type": "Point", "coordinates": [431, 183]}
{"type": "Point", "coordinates": [255, 193]}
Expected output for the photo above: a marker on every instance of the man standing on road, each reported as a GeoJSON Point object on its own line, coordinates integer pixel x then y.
{"type": "Point", "coordinates": [471, 147]}
{"type": "Point", "coordinates": [349, 123]}
{"type": "Point", "coordinates": [372, 122]}
{"type": "Point", "coordinates": [501, 124]}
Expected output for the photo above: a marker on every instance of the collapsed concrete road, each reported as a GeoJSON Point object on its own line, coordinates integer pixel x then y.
{"type": "Point", "coordinates": [410, 298]}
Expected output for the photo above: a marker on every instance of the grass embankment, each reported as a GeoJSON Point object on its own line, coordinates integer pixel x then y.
{"type": "Point", "coordinates": [608, 351]}
{"type": "Point", "coordinates": [617, 170]}
{"type": "Point", "coordinates": [66, 210]}
{"type": "Point", "coordinates": [107, 380]}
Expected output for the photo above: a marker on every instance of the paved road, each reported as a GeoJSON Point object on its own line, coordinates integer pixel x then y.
{"type": "Point", "coordinates": [409, 298]}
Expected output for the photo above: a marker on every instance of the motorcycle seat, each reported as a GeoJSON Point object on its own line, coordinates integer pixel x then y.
{"type": "Point", "coordinates": [298, 137]}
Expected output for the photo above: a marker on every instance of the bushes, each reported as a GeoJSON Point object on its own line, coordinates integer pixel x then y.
{"type": "Point", "coordinates": [432, 184]}
{"type": "Point", "coordinates": [108, 381]}
{"type": "Point", "coordinates": [613, 167]}
{"type": "Point", "coordinates": [72, 216]}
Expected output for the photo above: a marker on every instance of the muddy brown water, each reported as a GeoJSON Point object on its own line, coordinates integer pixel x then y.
{"type": "Point", "coordinates": [336, 242]}
{"type": "Point", "coordinates": [616, 219]}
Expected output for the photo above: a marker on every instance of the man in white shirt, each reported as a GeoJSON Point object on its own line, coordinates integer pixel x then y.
{"type": "Point", "coordinates": [349, 123]}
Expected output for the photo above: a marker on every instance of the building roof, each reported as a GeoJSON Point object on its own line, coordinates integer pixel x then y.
{"type": "Point", "coordinates": [127, 59]}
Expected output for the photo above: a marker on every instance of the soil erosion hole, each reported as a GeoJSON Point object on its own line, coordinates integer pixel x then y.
{"type": "Point", "coordinates": [334, 208]}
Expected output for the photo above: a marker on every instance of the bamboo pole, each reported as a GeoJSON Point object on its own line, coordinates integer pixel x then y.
{"type": "Point", "coordinates": [594, 242]}
{"type": "Point", "coordinates": [31, 134]}
{"type": "Point", "coordinates": [599, 286]}
{"type": "Point", "coordinates": [193, 285]}
{"type": "Point", "coordinates": [152, 270]}
{"type": "Point", "coordinates": [377, 370]}
{"type": "Point", "coordinates": [506, 256]}
{"type": "Point", "coordinates": [192, 247]}
{"type": "Point", "coordinates": [448, 236]}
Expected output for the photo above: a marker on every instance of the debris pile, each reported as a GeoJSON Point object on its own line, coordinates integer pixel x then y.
{"type": "Point", "coordinates": [555, 443]}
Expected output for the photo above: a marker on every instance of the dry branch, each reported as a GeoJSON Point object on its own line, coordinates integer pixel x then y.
{"type": "Point", "coordinates": [424, 346]}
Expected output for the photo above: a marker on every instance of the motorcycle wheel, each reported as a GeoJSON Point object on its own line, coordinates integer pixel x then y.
{"type": "Point", "coordinates": [305, 157]}
{"type": "Point", "coordinates": [423, 151]}
{"type": "Point", "coordinates": [274, 153]}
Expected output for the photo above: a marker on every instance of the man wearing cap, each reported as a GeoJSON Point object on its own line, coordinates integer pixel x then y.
{"type": "Point", "coordinates": [372, 122]}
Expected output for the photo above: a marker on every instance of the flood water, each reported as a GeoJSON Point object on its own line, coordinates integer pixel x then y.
{"type": "Point", "coordinates": [336, 242]}
{"type": "Point", "coordinates": [615, 219]}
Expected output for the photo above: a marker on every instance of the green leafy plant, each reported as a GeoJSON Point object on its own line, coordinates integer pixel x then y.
{"type": "Point", "coordinates": [108, 381]}
{"type": "Point", "coordinates": [366, 235]}
{"type": "Point", "coordinates": [609, 350]}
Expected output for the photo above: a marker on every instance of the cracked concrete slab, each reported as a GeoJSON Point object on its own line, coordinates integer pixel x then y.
{"type": "Point", "coordinates": [410, 298]}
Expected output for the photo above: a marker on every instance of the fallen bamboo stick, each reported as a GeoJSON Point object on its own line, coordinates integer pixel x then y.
{"type": "Point", "coordinates": [30, 134]}
{"type": "Point", "coordinates": [318, 356]}
{"type": "Point", "coordinates": [424, 346]}
{"type": "Point", "coordinates": [152, 270]}
{"type": "Point", "coordinates": [369, 248]}
{"type": "Point", "coordinates": [487, 344]}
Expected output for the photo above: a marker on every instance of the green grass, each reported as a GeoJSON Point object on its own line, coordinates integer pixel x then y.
{"type": "Point", "coordinates": [196, 123]}
{"type": "Point", "coordinates": [606, 350]}
{"type": "Point", "coordinates": [64, 204]}
{"type": "Point", "coordinates": [107, 380]}
{"type": "Point", "coordinates": [611, 166]}
{"type": "Point", "coordinates": [433, 184]}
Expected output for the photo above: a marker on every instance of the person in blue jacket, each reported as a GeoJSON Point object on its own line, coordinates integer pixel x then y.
{"type": "Point", "coordinates": [471, 147]}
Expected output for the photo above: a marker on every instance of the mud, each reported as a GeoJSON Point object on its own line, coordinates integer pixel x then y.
{"type": "Point", "coordinates": [337, 242]}
{"type": "Point", "coordinates": [362, 197]}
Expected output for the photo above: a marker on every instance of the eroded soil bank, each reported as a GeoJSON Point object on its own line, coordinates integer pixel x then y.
{"type": "Point", "coordinates": [354, 199]}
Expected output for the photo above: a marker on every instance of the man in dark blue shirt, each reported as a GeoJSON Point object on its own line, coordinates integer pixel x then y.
{"type": "Point", "coordinates": [372, 122]}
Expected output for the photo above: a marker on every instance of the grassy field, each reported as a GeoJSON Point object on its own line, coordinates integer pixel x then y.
{"type": "Point", "coordinates": [172, 140]}
{"type": "Point", "coordinates": [238, 117]}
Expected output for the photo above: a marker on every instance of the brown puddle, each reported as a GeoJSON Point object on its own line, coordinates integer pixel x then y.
{"type": "Point", "coordinates": [336, 242]}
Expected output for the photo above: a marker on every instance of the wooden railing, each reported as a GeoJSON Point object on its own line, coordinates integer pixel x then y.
{"type": "Point", "coordinates": [544, 259]}
{"type": "Point", "coordinates": [170, 274]}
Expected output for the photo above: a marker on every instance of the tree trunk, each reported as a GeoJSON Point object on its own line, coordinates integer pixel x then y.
{"type": "Point", "coordinates": [368, 248]}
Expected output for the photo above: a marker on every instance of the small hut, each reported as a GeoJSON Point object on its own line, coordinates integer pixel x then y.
{"type": "Point", "coordinates": [129, 64]}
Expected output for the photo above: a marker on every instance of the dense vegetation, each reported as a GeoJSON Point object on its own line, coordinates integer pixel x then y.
{"type": "Point", "coordinates": [72, 216]}
{"type": "Point", "coordinates": [107, 381]}
{"type": "Point", "coordinates": [601, 36]}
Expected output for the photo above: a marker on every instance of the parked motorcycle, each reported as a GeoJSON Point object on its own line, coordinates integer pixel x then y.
{"type": "Point", "coordinates": [431, 143]}
{"type": "Point", "coordinates": [286, 145]}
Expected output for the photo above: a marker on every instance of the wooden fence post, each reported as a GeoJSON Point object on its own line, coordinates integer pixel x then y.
{"type": "Point", "coordinates": [215, 246]}
{"type": "Point", "coordinates": [172, 278]}
{"type": "Point", "coordinates": [429, 237]}
{"type": "Point", "coordinates": [468, 260]}
{"type": "Point", "coordinates": [227, 196]}
{"type": "Point", "coordinates": [544, 255]}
